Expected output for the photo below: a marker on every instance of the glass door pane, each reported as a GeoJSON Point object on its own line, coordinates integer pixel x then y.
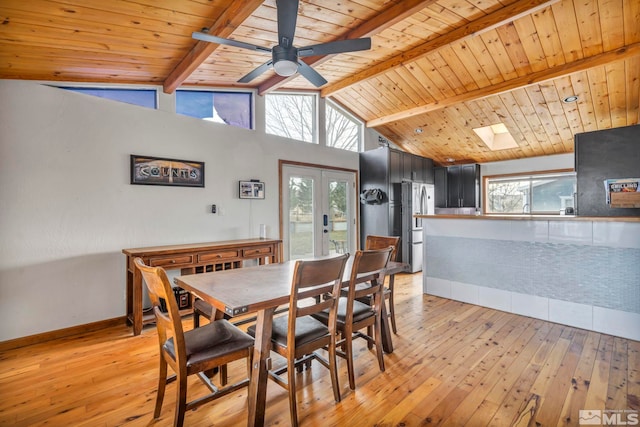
{"type": "Point", "coordinates": [301, 218]}
{"type": "Point", "coordinates": [338, 227]}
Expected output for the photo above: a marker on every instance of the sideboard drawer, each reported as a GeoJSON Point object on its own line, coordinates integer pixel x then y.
{"type": "Point", "coordinates": [175, 261]}
{"type": "Point", "coordinates": [218, 256]}
{"type": "Point", "coordinates": [261, 251]}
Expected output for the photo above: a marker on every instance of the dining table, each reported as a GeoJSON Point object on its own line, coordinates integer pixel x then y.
{"type": "Point", "coordinates": [260, 290]}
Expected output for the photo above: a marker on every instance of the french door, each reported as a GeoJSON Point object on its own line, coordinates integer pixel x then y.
{"type": "Point", "coordinates": [318, 211]}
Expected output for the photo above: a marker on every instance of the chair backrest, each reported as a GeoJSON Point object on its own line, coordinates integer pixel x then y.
{"type": "Point", "coordinates": [381, 242]}
{"type": "Point", "coordinates": [368, 266]}
{"type": "Point", "coordinates": [308, 295]}
{"type": "Point", "coordinates": [169, 324]}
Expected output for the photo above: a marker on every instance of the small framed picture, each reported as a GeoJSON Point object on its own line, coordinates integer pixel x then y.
{"type": "Point", "coordinates": [251, 190]}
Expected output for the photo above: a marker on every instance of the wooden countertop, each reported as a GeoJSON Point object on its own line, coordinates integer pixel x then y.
{"type": "Point", "coordinates": [188, 247]}
{"type": "Point", "coordinates": [536, 217]}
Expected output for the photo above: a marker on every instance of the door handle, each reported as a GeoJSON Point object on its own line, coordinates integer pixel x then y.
{"type": "Point", "coordinates": [325, 220]}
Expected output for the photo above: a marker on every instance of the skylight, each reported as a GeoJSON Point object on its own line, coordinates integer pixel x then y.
{"type": "Point", "coordinates": [496, 137]}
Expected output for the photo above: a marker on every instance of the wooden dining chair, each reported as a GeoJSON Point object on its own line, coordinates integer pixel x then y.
{"type": "Point", "coordinates": [381, 242]}
{"type": "Point", "coordinates": [353, 316]}
{"type": "Point", "coordinates": [193, 352]}
{"type": "Point", "coordinates": [201, 308]}
{"type": "Point", "coordinates": [297, 335]}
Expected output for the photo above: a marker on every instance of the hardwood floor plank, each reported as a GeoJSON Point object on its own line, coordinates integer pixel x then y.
{"type": "Point", "coordinates": [633, 391]}
{"type": "Point", "coordinates": [599, 380]}
{"type": "Point", "coordinates": [558, 387]}
{"type": "Point", "coordinates": [618, 374]}
{"type": "Point", "coordinates": [454, 364]}
{"type": "Point", "coordinates": [577, 394]}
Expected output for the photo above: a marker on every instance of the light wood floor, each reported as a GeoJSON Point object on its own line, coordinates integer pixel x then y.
{"type": "Point", "coordinates": [454, 364]}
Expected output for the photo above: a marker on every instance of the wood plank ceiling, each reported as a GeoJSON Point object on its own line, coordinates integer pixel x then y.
{"type": "Point", "coordinates": [442, 67]}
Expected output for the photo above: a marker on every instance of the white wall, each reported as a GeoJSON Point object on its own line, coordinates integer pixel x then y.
{"type": "Point", "coordinates": [67, 208]}
{"type": "Point", "coordinates": [532, 164]}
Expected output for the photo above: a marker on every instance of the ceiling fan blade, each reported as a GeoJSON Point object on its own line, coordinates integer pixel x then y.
{"type": "Point", "coordinates": [255, 73]}
{"type": "Point", "coordinates": [310, 74]}
{"type": "Point", "coordinates": [219, 40]}
{"type": "Point", "coordinates": [287, 17]}
{"type": "Point", "coordinates": [339, 46]}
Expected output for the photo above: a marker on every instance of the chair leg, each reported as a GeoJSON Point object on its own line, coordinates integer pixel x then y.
{"type": "Point", "coordinates": [223, 375]}
{"type": "Point", "coordinates": [333, 371]}
{"type": "Point", "coordinates": [293, 404]}
{"type": "Point", "coordinates": [349, 356]}
{"type": "Point", "coordinates": [196, 320]}
{"type": "Point", "coordinates": [392, 315]}
{"type": "Point", "coordinates": [378, 338]}
{"type": "Point", "coordinates": [162, 385]}
{"type": "Point", "coordinates": [392, 312]}
{"type": "Point", "coordinates": [249, 364]}
{"type": "Point", "coordinates": [181, 399]}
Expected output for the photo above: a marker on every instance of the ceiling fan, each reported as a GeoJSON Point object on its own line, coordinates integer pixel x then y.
{"type": "Point", "coordinates": [284, 56]}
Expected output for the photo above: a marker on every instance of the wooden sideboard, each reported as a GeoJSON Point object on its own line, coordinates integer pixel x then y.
{"type": "Point", "coordinates": [190, 259]}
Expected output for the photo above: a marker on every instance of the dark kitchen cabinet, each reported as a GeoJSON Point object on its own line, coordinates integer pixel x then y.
{"type": "Point", "coordinates": [457, 186]}
{"type": "Point", "coordinates": [391, 170]}
{"type": "Point", "coordinates": [600, 155]}
{"type": "Point", "coordinates": [440, 187]}
{"type": "Point", "coordinates": [386, 168]}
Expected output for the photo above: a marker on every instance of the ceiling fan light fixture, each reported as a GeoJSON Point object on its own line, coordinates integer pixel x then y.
{"type": "Point", "coordinates": [285, 68]}
{"type": "Point", "coordinates": [284, 56]}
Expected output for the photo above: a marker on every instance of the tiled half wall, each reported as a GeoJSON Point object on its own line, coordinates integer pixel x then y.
{"type": "Point", "coordinates": [580, 273]}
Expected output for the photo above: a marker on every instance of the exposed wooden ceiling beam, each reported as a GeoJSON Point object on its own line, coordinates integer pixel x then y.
{"type": "Point", "coordinates": [520, 82]}
{"type": "Point", "coordinates": [486, 23]}
{"type": "Point", "coordinates": [377, 24]}
{"type": "Point", "coordinates": [234, 15]}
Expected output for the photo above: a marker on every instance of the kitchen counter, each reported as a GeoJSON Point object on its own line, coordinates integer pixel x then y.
{"type": "Point", "coordinates": [578, 271]}
{"type": "Point", "coordinates": [536, 217]}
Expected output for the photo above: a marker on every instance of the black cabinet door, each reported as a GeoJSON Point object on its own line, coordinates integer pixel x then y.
{"type": "Point", "coordinates": [407, 167]}
{"type": "Point", "coordinates": [468, 186]}
{"type": "Point", "coordinates": [427, 164]}
{"type": "Point", "coordinates": [395, 219]}
{"type": "Point", "coordinates": [440, 188]}
{"type": "Point", "coordinates": [418, 169]}
{"type": "Point", "coordinates": [454, 182]}
{"type": "Point", "coordinates": [395, 175]}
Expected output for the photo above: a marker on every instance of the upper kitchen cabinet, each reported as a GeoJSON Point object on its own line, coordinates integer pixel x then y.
{"type": "Point", "coordinates": [421, 169]}
{"type": "Point", "coordinates": [458, 186]}
{"type": "Point", "coordinates": [385, 169]}
{"type": "Point", "coordinates": [382, 167]}
{"type": "Point", "coordinates": [416, 168]}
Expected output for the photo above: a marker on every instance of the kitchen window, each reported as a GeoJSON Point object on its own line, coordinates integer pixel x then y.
{"type": "Point", "coordinates": [531, 194]}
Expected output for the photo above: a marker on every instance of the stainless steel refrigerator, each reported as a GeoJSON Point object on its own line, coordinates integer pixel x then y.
{"type": "Point", "coordinates": [417, 198]}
